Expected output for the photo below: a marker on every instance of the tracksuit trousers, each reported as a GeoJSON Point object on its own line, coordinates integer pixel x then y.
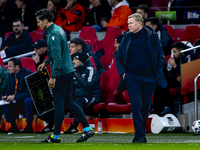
{"type": "Point", "coordinates": [62, 96]}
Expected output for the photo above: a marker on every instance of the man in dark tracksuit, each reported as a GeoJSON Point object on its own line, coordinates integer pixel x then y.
{"type": "Point", "coordinates": [61, 76]}
{"type": "Point", "coordinates": [139, 63]}
{"type": "Point", "coordinates": [87, 91]}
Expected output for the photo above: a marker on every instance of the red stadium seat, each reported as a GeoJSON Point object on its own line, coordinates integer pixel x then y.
{"type": "Point", "coordinates": [106, 43]}
{"type": "Point", "coordinates": [7, 35]}
{"type": "Point", "coordinates": [36, 35]}
{"type": "Point", "coordinates": [170, 31]}
{"type": "Point", "coordinates": [1, 62]}
{"type": "Point", "coordinates": [179, 34]}
{"type": "Point", "coordinates": [28, 63]}
{"type": "Point", "coordinates": [92, 60]}
{"type": "Point", "coordinates": [88, 33]}
{"type": "Point", "coordinates": [192, 33]}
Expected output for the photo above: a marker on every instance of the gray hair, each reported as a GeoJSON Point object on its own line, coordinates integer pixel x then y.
{"type": "Point", "coordinates": [137, 17]}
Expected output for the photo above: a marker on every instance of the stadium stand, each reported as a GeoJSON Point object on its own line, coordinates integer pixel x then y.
{"type": "Point", "coordinates": [36, 35]}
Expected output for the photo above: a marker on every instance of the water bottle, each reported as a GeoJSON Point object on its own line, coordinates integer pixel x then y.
{"type": "Point", "coordinates": [169, 67]}
{"type": "Point", "coordinates": [99, 127]}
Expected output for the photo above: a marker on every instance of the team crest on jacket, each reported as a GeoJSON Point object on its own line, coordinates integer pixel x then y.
{"type": "Point", "coordinates": [53, 37]}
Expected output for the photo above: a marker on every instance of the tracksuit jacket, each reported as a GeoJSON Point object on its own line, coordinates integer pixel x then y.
{"type": "Point", "coordinates": [58, 52]}
{"type": "Point", "coordinates": [87, 81]}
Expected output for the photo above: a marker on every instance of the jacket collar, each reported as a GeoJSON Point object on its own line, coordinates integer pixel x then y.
{"type": "Point", "coordinates": [50, 27]}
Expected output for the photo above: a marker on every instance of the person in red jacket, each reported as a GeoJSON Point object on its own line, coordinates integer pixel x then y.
{"type": "Point", "coordinates": [72, 17]}
{"type": "Point", "coordinates": [120, 13]}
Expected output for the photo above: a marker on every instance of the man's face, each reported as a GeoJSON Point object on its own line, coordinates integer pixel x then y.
{"type": "Point", "coordinates": [133, 25]}
{"type": "Point", "coordinates": [116, 45]}
{"type": "Point", "coordinates": [19, 3]}
{"type": "Point", "coordinates": [142, 13]}
{"type": "Point", "coordinates": [150, 25]}
{"type": "Point", "coordinates": [72, 1]}
{"type": "Point", "coordinates": [50, 6]}
{"type": "Point", "coordinates": [41, 24]}
{"type": "Point", "coordinates": [40, 51]}
{"type": "Point", "coordinates": [2, 2]}
{"type": "Point", "coordinates": [176, 53]}
{"type": "Point", "coordinates": [74, 48]}
{"type": "Point", "coordinates": [95, 3]}
{"type": "Point", "coordinates": [113, 2]}
{"type": "Point", "coordinates": [77, 62]}
{"type": "Point", "coordinates": [18, 27]}
{"type": "Point", "coordinates": [11, 68]}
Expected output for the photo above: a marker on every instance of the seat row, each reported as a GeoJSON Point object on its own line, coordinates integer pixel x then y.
{"type": "Point", "coordinates": [191, 33]}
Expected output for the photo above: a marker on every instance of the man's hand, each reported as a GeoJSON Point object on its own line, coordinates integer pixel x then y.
{"type": "Point", "coordinates": [10, 98]}
{"type": "Point", "coordinates": [172, 62]}
{"type": "Point", "coordinates": [123, 76]}
{"type": "Point", "coordinates": [69, 5]}
{"type": "Point", "coordinates": [36, 58]}
{"type": "Point", "coordinates": [103, 23]}
{"type": "Point", "coordinates": [51, 83]}
{"type": "Point", "coordinates": [4, 98]}
{"type": "Point", "coordinates": [178, 79]}
{"type": "Point", "coordinates": [41, 66]}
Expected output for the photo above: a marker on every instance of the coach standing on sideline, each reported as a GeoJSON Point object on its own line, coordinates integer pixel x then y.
{"type": "Point", "coordinates": [61, 76]}
{"type": "Point", "coordinates": [140, 63]}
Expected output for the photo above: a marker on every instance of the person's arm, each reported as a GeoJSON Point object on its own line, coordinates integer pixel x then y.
{"type": "Point", "coordinates": [73, 18]}
{"type": "Point", "coordinates": [88, 83]}
{"type": "Point", "coordinates": [55, 43]}
{"type": "Point", "coordinates": [160, 60]}
{"type": "Point", "coordinates": [119, 62]}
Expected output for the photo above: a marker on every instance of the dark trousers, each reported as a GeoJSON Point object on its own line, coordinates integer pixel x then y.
{"type": "Point", "coordinates": [11, 111]}
{"type": "Point", "coordinates": [140, 90]}
{"type": "Point", "coordinates": [86, 104]}
{"type": "Point", "coordinates": [62, 96]}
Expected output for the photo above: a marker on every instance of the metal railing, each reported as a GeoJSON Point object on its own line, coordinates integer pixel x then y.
{"type": "Point", "coordinates": [168, 9]}
{"type": "Point", "coordinates": [19, 56]}
{"type": "Point", "coordinates": [195, 98]}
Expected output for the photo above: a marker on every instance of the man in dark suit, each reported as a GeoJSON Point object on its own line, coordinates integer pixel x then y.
{"type": "Point", "coordinates": [140, 63]}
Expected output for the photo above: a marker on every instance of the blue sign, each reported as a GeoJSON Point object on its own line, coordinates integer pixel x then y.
{"type": "Point", "coordinates": [191, 15]}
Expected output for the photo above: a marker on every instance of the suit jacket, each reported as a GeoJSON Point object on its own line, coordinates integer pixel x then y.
{"type": "Point", "coordinates": [156, 52]}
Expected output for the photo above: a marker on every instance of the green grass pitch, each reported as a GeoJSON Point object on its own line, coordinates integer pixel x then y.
{"type": "Point", "coordinates": [163, 141]}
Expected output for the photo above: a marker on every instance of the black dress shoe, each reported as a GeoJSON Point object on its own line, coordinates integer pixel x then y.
{"type": "Point", "coordinates": [139, 140]}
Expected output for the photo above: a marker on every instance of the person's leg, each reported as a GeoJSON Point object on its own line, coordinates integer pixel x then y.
{"type": "Point", "coordinates": [11, 114]}
{"type": "Point", "coordinates": [85, 103]}
{"type": "Point", "coordinates": [148, 87]}
{"type": "Point", "coordinates": [135, 91]}
{"type": "Point", "coordinates": [73, 107]}
{"type": "Point", "coordinates": [28, 106]}
{"type": "Point", "coordinates": [97, 28]}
